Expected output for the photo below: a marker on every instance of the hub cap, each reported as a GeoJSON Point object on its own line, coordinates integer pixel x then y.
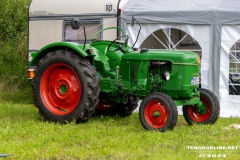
{"type": "Point", "coordinates": [197, 117]}
{"type": "Point", "coordinates": [60, 89]}
{"type": "Point", "coordinates": [155, 114]}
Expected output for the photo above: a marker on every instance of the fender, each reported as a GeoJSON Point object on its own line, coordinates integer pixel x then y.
{"type": "Point", "coordinates": [76, 47]}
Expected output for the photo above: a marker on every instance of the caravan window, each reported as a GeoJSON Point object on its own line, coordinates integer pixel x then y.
{"type": "Point", "coordinates": [92, 26]}
{"type": "Point", "coordinates": [234, 69]}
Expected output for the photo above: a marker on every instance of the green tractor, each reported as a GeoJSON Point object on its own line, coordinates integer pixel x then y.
{"type": "Point", "coordinates": [72, 81]}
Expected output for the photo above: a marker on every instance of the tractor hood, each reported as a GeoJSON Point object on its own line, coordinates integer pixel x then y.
{"type": "Point", "coordinates": [175, 57]}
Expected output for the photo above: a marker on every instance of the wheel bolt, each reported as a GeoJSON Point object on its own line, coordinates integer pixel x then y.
{"type": "Point", "coordinates": [71, 78]}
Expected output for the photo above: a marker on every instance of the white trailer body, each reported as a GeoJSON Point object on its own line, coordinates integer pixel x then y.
{"type": "Point", "coordinates": [49, 21]}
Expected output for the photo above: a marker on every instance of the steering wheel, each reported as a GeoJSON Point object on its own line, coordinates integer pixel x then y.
{"type": "Point", "coordinates": [109, 28]}
{"type": "Point", "coordinates": [119, 45]}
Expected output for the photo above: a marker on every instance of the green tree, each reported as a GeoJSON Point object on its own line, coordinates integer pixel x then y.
{"type": "Point", "coordinates": [13, 43]}
{"type": "Point", "coordinates": [13, 19]}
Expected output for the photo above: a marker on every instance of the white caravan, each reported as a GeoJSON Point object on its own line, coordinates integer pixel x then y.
{"type": "Point", "coordinates": [49, 20]}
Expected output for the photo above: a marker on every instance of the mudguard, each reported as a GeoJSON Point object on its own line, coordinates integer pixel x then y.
{"type": "Point", "coordinates": [76, 47]}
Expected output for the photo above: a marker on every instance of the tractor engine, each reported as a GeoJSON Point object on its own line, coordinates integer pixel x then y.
{"type": "Point", "coordinates": [159, 73]}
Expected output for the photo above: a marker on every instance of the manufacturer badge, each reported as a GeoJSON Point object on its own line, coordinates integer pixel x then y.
{"type": "Point", "coordinates": [108, 7]}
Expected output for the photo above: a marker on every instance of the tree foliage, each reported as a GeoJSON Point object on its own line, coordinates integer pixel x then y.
{"type": "Point", "coordinates": [13, 43]}
{"type": "Point", "coordinates": [13, 19]}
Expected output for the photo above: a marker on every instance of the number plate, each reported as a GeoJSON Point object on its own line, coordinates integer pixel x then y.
{"type": "Point", "coordinates": [195, 81]}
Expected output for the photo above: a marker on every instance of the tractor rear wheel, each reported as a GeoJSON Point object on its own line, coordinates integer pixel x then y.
{"type": "Point", "coordinates": [65, 87]}
{"type": "Point", "coordinates": [212, 109]}
{"type": "Point", "coordinates": [158, 112]}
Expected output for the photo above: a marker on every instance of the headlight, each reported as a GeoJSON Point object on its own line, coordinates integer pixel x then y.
{"type": "Point", "coordinates": [198, 59]}
{"type": "Point", "coordinates": [165, 76]}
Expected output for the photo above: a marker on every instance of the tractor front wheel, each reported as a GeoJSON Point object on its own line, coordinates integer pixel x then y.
{"type": "Point", "coordinates": [212, 108]}
{"type": "Point", "coordinates": [65, 87]}
{"type": "Point", "coordinates": [158, 112]}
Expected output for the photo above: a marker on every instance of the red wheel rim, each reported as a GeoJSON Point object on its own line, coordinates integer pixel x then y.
{"type": "Point", "coordinates": [155, 114]}
{"type": "Point", "coordinates": [60, 89]}
{"type": "Point", "coordinates": [197, 117]}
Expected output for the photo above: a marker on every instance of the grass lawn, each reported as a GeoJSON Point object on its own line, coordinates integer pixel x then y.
{"type": "Point", "coordinates": [25, 135]}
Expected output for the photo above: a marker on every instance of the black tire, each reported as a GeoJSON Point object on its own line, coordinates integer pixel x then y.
{"type": "Point", "coordinates": [167, 112]}
{"type": "Point", "coordinates": [125, 110]}
{"type": "Point", "coordinates": [65, 87]}
{"type": "Point", "coordinates": [212, 113]}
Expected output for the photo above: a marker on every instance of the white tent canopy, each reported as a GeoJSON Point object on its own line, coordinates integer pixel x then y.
{"type": "Point", "coordinates": [214, 24]}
